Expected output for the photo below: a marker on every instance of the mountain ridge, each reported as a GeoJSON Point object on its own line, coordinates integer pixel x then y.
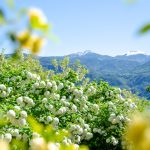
{"type": "Point", "coordinates": [125, 71]}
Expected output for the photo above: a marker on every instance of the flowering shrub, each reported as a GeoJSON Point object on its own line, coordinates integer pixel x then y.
{"type": "Point", "coordinates": [93, 114]}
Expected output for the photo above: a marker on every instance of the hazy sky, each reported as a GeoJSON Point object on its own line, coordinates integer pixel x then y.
{"type": "Point", "coordinates": [103, 26]}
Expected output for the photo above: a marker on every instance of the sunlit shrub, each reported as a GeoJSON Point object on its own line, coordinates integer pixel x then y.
{"type": "Point", "coordinates": [94, 114]}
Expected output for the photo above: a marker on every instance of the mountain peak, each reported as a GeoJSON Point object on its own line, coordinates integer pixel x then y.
{"type": "Point", "coordinates": [82, 53]}
{"type": "Point", "coordinates": [134, 52]}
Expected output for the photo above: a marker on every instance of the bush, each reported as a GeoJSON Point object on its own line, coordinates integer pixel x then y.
{"type": "Point", "coordinates": [93, 113]}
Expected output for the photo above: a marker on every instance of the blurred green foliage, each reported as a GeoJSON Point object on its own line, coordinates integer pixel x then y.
{"type": "Point", "coordinates": [145, 29]}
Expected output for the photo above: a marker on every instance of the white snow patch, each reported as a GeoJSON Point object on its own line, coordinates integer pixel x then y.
{"type": "Point", "coordinates": [134, 52]}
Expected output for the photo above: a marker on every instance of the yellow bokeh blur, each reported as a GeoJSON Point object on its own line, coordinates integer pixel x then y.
{"type": "Point", "coordinates": [37, 18]}
{"type": "Point", "coordinates": [137, 133]}
{"type": "Point", "coordinates": [32, 42]}
{"type": "Point", "coordinates": [4, 145]}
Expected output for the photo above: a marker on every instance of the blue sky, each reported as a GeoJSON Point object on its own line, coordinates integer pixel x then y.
{"type": "Point", "coordinates": [103, 26]}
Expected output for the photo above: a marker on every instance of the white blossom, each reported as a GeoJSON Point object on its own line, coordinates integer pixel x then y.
{"type": "Point", "coordinates": [65, 142]}
{"type": "Point", "coordinates": [44, 100]}
{"type": "Point", "coordinates": [88, 136]}
{"type": "Point", "coordinates": [74, 108]}
{"type": "Point", "coordinates": [36, 85]}
{"type": "Point", "coordinates": [9, 89]}
{"type": "Point", "coordinates": [19, 100]}
{"type": "Point", "coordinates": [62, 110]}
{"type": "Point", "coordinates": [23, 114]}
{"type": "Point", "coordinates": [47, 94]}
{"type": "Point", "coordinates": [77, 139]}
{"type": "Point", "coordinates": [8, 137]}
{"type": "Point", "coordinates": [133, 105]}
{"type": "Point", "coordinates": [4, 94]}
{"type": "Point", "coordinates": [50, 107]}
{"type": "Point", "coordinates": [22, 122]}
{"type": "Point", "coordinates": [49, 118]}
{"type": "Point", "coordinates": [17, 108]}
{"type": "Point", "coordinates": [53, 83]}
{"type": "Point", "coordinates": [55, 88]}
{"type": "Point", "coordinates": [42, 84]}
{"type": "Point", "coordinates": [35, 135]}
{"type": "Point", "coordinates": [49, 85]}
{"type": "Point", "coordinates": [55, 120]}
{"type": "Point", "coordinates": [11, 114]}
{"type": "Point", "coordinates": [60, 86]}
{"type": "Point", "coordinates": [15, 132]}
{"type": "Point", "coordinates": [2, 87]}
{"type": "Point", "coordinates": [114, 141]}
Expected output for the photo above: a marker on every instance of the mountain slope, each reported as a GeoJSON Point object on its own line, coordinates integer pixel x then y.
{"type": "Point", "coordinates": [126, 71]}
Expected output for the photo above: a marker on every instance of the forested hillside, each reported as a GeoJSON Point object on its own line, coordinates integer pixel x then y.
{"type": "Point", "coordinates": [126, 71]}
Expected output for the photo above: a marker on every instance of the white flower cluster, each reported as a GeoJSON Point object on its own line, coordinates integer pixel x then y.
{"type": "Point", "coordinates": [60, 86]}
{"type": "Point", "coordinates": [97, 130]}
{"type": "Point", "coordinates": [62, 110]}
{"type": "Point", "coordinates": [4, 92]}
{"type": "Point", "coordinates": [19, 118]}
{"type": "Point", "coordinates": [78, 93]}
{"type": "Point", "coordinates": [48, 85]}
{"type": "Point", "coordinates": [112, 140]}
{"type": "Point", "coordinates": [32, 76]}
{"type": "Point", "coordinates": [50, 120]}
{"type": "Point", "coordinates": [114, 119]}
{"type": "Point", "coordinates": [13, 133]}
{"type": "Point", "coordinates": [91, 90]}
{"type": "Point", "coordinates": [80, 132]}
{"type": "Point", "coordinates": [95, 108]}
{"type": "Point", "coordinates": [25, 101]}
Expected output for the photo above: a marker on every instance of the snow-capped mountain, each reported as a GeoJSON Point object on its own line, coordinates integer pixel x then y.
{"type": "Point", "coordinates": [131, 71]}
{"type": "Point", "coordinates": [135, 52]}
{"type": "Point", "coordinates": [81, 53]}
{"type": "Point", "coordinates": [129, 53]}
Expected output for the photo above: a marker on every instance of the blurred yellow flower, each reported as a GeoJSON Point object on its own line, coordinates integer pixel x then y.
{"type": "Point", "coordinates": [4, 145]}
{"type": "Point", "coordinates": [32, 42]}
{"type": "Point", "coordinates": [37, 18]}
{"type": "Point", "coordinates": [38, 144]}
{"type": "Point", "coordinates": [38, 43]}
{"type": "Point", "coordinates": [52, 146]}
{"type": "Point", "coordinates": [23, 36]}
{"type": "Point", "coordinates": [137, 133]}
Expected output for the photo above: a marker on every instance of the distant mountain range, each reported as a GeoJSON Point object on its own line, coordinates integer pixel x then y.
{"type": "Point", "coordinates": [130, 71]}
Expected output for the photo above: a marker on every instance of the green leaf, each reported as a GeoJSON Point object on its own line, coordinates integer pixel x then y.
{"type": "Point", "coordinates": [145, 29]}
{"type": "Point", "coordinates": [2, 17]}
{"type": "Point", "coordinates": [12, 36]}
